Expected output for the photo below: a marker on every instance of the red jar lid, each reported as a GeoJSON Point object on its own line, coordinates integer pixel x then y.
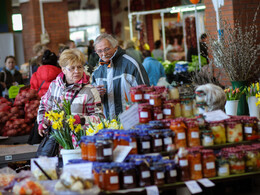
{"type": "Point", "coordinates": [154, 93]}
{"type": "Point", "coordinates": [214, 123]}
{"type": "Point", "coordinates": [159, 87]}
{"type": "Point", "coordinates": [135, 89]}
{"type": "Point", "coordinates": [232, 121]}
{"type": "Point", "coordinates": [192, 124]}
{"type": "Point", "coordinates": [207, 151]}
{"type": "Point", "coordinates": [147, 89]}
{"type": "Point", "coordinates": [168, 105]}
{"type": "Point", "coordinates": [172, 101]}
{"type": "Point", "coordinates": [144, 105]}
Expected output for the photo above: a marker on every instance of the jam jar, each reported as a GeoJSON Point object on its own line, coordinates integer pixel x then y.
{"type": "Point", "coordinates": [234, 130]}
{"type": "Point", "coordinates": [110, 174]}
{"type": "Point", "coordinates": [129, 176]}
{"type": "Point", "coordinates": [186, 107]}
{"type": "Point", "coordinates": [136, 94]}
{"type": "Point", "coordinates": [168, 111]}
{"type": "Point", "coordinates": [177, 107]}
{"type": "Point", "coordinates": [155, 99]}
{"type": "Point", "coordinates": [184, 171]}
{"type": "Point", "coordinates": [156, 141]}
{"type": "Point", "coordinates": [170, 171]}
{"type": "Point", "coordinates": [146, 92]}
{"type": "Point", "coordinates": [144, 143]}
{"type": "Point", "coordinates": [194, 158]}
{"type": "Point", "coordinates": [84, 148]}
{"type": "Point", "coordinates": [219, 131]}
{"type": "Point", "coordinates": [179, 128]}
{"type": "Point", "coordinates": [208, 163]}
{"type": "Point", "coordinates": [166, 123]}
{"type": "Point", "coordinates": [168, 140]}
{"type": "Point", "coordinates": [207, 138]}
{"type": "Point", "coordinates": [145, 112]}
{"type": "Point", "coordinates": [144, 173]}
{"type": "Point", "coordinates": [158, 175]}
{"type": "Point", "coordinates": [157, 113]}
{"type": "Point", "coordinates": [129, 140]}
{"type": "Point", "coordinates": [193, 134]}
{"type": "Point", "coordinates": [250, 127]}
{"type": "Point", "coordinates": [92, 152]}
{"type": "Point", "coordinates": [104, 149]}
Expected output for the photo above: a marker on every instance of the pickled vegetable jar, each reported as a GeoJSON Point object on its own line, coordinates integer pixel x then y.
{"type": "Point", "coordinates": [250, 128]}
{"type": "Point", "coordinates": [174, 93]}
{"type": "Point", "coordinates": [186, 107]}
{"type": "Point", "coordinates": [194, 158]}
{"type": "Point", "coordinates": [207, 138]}
{"type": "Point", "coordinates": [219, 131]}
{"type": "Point", "coordinates": [136, 94]}
{"type": "Point", "coordinates": [223, 167]}
{"type": "Point", "coordinates": [234, 130]}
{"type": "Point", "coordinates": [251, 159]}
{"type": "Point", "coordinates": [145, 112]}
{"type": "Point", "coordinates": [208, 163]}
{"type": "Point", "coordinates": [236, 160]}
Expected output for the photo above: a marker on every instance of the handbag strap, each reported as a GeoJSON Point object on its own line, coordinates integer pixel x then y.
{"type": "Point", "coordinates": [40, 86]}
{"type": "Point", "coordinates": [75, 94]}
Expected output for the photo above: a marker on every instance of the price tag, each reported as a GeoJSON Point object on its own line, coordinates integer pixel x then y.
{"type": "Point", "coordinates": [10, 157]}
{"type": "Point", "coordinates": [216, 115]}
{"type": "Point", "coordinates": [144, 114]}
{"type": "Point", "coordinates": [121, 152]}
{"type": "Point", "coordinates": [83, 170]}
{"type": "Point", "coordinates": [167, 111]}
{"type": "Point", "coordinates": [248, 130]}
{"type": "Point", "coordinates": [138, 97]}
{"type": "Point", "coordinates": [152, 190]}
{"type": "Point", "coordinates": [130, 117]}
{"type": "Point", "coordinates": [195, 134]}
{"type": "Point", "coordinates": [206, 182]}
{"type": "Point", "coordinates": [193, 186]}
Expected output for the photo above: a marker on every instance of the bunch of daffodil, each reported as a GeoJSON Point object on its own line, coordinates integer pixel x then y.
{"type": "Point", "coordinates": [64, 126]}
{"type": "Point", "coordinates": [233, 94]}
{"type": "Point", "coordinates": [104, 124]}
{"type": "Point", "coordinates": [252, 90]}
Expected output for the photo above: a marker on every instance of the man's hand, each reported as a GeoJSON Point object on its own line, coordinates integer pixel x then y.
{"type": "Point", "coordinates": [101, 89]}
{"type": "Point", "coordinates": [41, 129]}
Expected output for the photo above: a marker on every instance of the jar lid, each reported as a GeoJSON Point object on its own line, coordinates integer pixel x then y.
{"type": "Point", "coordinates": [145, 105]}
{"type": "Point", "coordinates": [216, 122]}
{"type": "Point", "coordinates": [207, 151]}
{"type": "Point", "coordinates": [173, 101]}
{"type": "Point", "coordinates": [155, 93]}
{"type": "Point", "coordinates": [147, 89]}
{"type": "Point", "coordinates": [135, 89]}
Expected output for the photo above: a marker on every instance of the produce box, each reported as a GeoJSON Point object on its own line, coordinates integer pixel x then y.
{"type": "Point", "coordinates": [14, 140]}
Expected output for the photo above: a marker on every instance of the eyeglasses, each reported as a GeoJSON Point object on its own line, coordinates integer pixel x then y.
{"type": "Point", "coordinates": [73, 68]}
{"type": "Point", "coordinates": [104, 50]}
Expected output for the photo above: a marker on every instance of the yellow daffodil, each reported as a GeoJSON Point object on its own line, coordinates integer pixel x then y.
{"type": "Point", "coordinates": [89, 131]}
{"type": "Point", "coordinates": [258, 98]}
{"type": "Point", "coordinates": [57, 125]}
{"type": "Point", "coordinates": [78, 128]}
{"type": "Point", "coordinates": [257, 86]}
{"type": "Point", "coordinates": [71, 121]}
{"type": "Point", "coordinates": [113, 125]}
{"type": "Point", "coordinates": [100, 126]}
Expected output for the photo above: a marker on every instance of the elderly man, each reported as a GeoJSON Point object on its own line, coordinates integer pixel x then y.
{"type": "Point", "coordinates": [117, 72]}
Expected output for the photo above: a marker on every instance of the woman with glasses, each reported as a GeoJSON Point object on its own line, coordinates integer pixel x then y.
{"type": "Point", "coordinates": [72, 84]}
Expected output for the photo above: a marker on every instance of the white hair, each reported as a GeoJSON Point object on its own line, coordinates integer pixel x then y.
{"type": "Point", "coordinates": [108, 37]}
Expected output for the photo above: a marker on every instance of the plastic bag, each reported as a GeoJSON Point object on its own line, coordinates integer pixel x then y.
{"type": "Point", "coordinates": [29, 186]}
{"type": "Point", "coordinates": [7, 175]}
{"type": "Point", "coordinates": [162, 82]}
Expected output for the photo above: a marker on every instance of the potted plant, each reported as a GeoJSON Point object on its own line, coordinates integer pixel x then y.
{"type": "Point", "coordinates": [236, 52]}
{"type": "Point", "coordinates": [232, 96]}
{"type": "Point", "coordinates": [251, 96]}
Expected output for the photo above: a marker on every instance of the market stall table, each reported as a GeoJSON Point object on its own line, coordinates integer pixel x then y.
{"type": "Point", "coordinates": [14, 153]}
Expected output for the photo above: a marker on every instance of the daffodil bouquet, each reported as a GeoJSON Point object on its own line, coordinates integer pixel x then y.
{"type": "Point", "coordinates": [252, 90]}
{"type": "Point", "coordinates": [65, 131]}
{"type": "Point", "coordinates": [233, 94]}
{"type": "Point", "coordinates": [104, 124]}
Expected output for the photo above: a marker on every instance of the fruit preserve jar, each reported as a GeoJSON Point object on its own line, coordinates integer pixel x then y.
{"type": "Point", "coordinates": [194, 158]}
{"type": "Point", "coordinates": [136, 94]}
{"type": "Point", "coordinates": [104, 149]}
{"type": "Point", "coordinates": [157, 113]}
{"type": "Point", "coordinates": [92, 152]}
{"type": "Point", "coordinates": [193, 134]}
{"type": "Point", "coordinates": [145, 112]}
{"type": "Point", "coordinates": [168, 140]}
{"type": "Point", "coordinates": [177, 107]}
{"type": "Point", "coordinates": [158, 173]}
{"type": "Point", "coordinates": [184, 168]}
{"type": "Point", "coordinates": [186, 107]}
{"type": "Point", "coordinates": [208, 163]}
{"type": "Point", "coordinates": [174, 93]}
{"type": "Point", "coordinates": [179, 128]}
{"type": "Point", "coordinates": [168, 111]}
{"type": "Point", "coordinates": [155, 99]}
{"type": "Point", "coordinates": [84, 148]}
{"type": "Point", "coordinates": [111, 178]}
{"type": "Point", "coordinates": [144, 143]}
{"type": "Point", "coordinates": [144, 173]}
{"type": "Point", "coordinates": [170, 171]}
{"type": "Point", "coordinates": [234, 130]}
{"type": "Point", "coordinates": [129, 179]}
{"type": "Point", "coordinates": [250, 128]}
{"type": "Point", "coordinates": [219, 131]}
{"type": "Point", "coordinates": [156, 141]}
{"type": "Point", "coordinates": [146, 92]}
{"type": "Point", "coordinates": [129, 140]}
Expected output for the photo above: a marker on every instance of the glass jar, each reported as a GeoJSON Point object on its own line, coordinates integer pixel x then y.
{"type": "Point", "coordinates": [144, 173]}
{"type": "Point", "coordinates": [236, 161]}
{"type": "Point", "coordinates": [194, 158]}
{"type": "Point", "coordinates": [234, 130]}
{"type": "Point", "coordinates": [193, 134]}
{"type": "Point", "coordinates": [129, 178]}
{"type": "Point", "coordinates": [223, 167]}
{"type": "Point", "coordinates": [129, 140]}
{"type": "Point", "coordinates": [146, 92]}
{"type": "Point", "coordinates": [136, 94]}
{"type": "Point", "coordinates": [145, 112]}
{"type": "Point", "coordinates": [104, 149]}
{"type": "Point", "coordinates": [200, 96]}
{"type": "Point", "coordinates": [84, 148]}
{"type": "Point", "coordinates": [144, 143]}
{"type": "Point", "coordinates": [251, 160]}
{"type": "Point", "coordinates": [208, 163]}
{"type": "Point", "coordinates": [157, 113]}
{"type": "Point", "coordinates": [155, 99]}
{"type": "Point", "coordinates": [168, 111]}
{"type": "Point", "coordinates": [92, 152]}
{"type": "Point", "coordinates": [207, 138]}
{"type": "Point", "coordinates": [166, 123]}
{"type": "Point", "coordinates": [168, 141]}
{"type": "Point", "coordinates": [186, 107]}
{"type": "Point", "coordinates": [179, 128]}
{"type": "Point", "coordinates": [110, 178]}
{"type": "Point", "coordinates": [174, 93]}
{"type": "Point", "coordinates": [184, 168]}
{"type": "Point", "coordinates": [156, 124]}
{"type": "Point", "coordinates": [170, 172]}
{"type": "Point", "coordinates": [219, 131]}
{"type": "Point", "coordinates": [156, 141]}
{"type": "Point", "coordinates": [250, 128]}
{"type": "Point", "coordinates": [177, 107]}
{"type": "Point", "coordinates": [158, 173]}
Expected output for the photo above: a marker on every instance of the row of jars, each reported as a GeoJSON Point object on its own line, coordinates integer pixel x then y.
{"type": "Point", "coordinates": [134, 173]}
{"type": "Point", "coordinates": [100, 147]}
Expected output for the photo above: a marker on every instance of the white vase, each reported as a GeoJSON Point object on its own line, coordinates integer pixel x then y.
{"type": "Point", "coordinates": [231, 107]}
{"type": "Point", "coordinates": [253, 109]}
{"type": "Point", "coordinates": [70, 154]}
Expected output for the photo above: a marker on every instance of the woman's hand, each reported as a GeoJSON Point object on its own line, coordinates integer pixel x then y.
{"type": "Point", "coordinates": [3, 84]}
{"type": "Point", "coordinates": [41, 129]}
{"type": "Point", "coordinates": [101, 89]}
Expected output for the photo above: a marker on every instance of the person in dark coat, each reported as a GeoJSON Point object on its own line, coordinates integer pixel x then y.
{"type": "Point", "coordinates": [9, 76]}
{"type": "Point", "coordinates": [47, 72]}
